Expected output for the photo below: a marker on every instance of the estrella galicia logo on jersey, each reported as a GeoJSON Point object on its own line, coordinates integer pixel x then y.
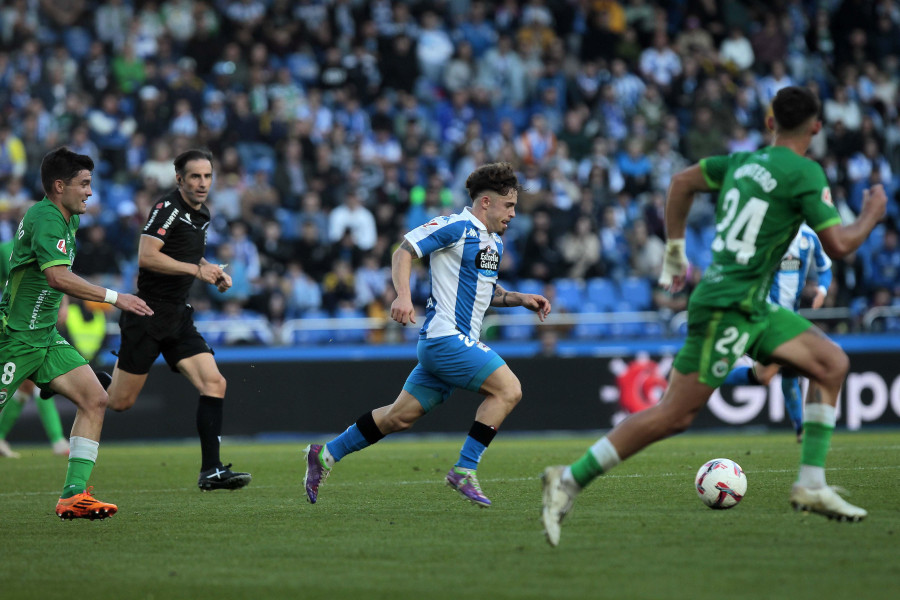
{"type": "Point", "coordinates": [159, 205]}
{"type": "Point", "coordinates": [61, 246]}
{"type": "Point", "coordinates": [826, 196]}
{"type": "Point", "coordinates": [487, 261]}
{"type": "Point", "coordinates": [790, 263]}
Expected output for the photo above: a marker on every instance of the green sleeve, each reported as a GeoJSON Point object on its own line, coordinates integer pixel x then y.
{"type": "Point", "coordinates": [815, 200]}
{"type": "Point", "coordinates": [714, 169]}
{"type": "Point", "coordinates": [48, 243]}
{"type": "Point", "coordinates": [5, 252]}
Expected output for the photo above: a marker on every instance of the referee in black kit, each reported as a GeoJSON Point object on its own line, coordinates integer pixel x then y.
{"type": "Point", "coordinates": [170, 257]}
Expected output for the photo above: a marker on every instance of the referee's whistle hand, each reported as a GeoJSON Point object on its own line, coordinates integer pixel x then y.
{"type": "Point", "coordinates": [133, 304]}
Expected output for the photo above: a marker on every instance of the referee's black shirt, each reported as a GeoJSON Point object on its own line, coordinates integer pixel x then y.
{"type": "Point", "coordinates": [183, 232]}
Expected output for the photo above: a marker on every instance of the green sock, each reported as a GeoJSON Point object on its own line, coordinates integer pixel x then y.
{"type": "Point", "coordinates": [50, 418]}
{"type": "Point", "coordinates": [9, 414]}
{"type": "Point", "coordinates": [586, 469]}
{"type": "Point", "coordinates": [77, 476]}
{"type": "Point", "coordinates": [816, 440]}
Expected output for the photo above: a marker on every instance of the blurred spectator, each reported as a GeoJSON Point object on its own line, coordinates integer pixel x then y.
{"type": "Point", "coordinates": [540, 257]}
{"type": "Point", "coordinates": [770, 42]}
{"type": "Point", "coordinates": [885, 271]}
{"type": "Point", "coordinates": [736, 51]}
{"type": "Point", "coordinates": [305, 294]}
{"type": "Point", "coordinates": [339, 287]}
{"type": "Point", "coordinates": [353, 216]}
{"type": "Point", "coordinates": [372, 280]}
{"type": "Point", "coordinates": [842, 108]}
{"type": "Point", "coordinates": [244, 250]}
{"type": "Point", "coordinates": [502, 73]}
{"type": "Point", "coordinates": [704, 138]}
{"type": "Point", "coordinates": [96, 257]}
{"type": "Point", "coordinates": [313, 251]}
{"type": "Point", "coordinates": [647, 252]}
{"type": "Point", "coordinates": [12, 154]}
{"type": "Point", "coordinates": [659, 63]}
{"type": "Point", "coordinates": [580, 249]}
{"type": "Point", "coordinates": [274, 250]}
{"type": "Point", "coordinates": [694, 38]}
{"type": "Point", "coordinates": [635, 166]}
{"type": "Point", "coordinates": [613, 245]}
{"type": "Point", "coordinates": [259, 200]}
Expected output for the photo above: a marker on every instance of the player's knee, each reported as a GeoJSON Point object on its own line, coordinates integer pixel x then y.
{"type": "Point", "coordinates": [96, 401]}
{"type": "Point", "coordinates": [512, 393]}
{"type": "Point", "coordinates": [838, 368]}
{"type": "Point", "coordinates": [394, 423]}
{"type": "Point", "coordinates": [214, 386]}
{"type": "Point", "coordinates": [121, 403]}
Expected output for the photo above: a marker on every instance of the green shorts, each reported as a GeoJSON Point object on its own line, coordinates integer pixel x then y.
{"type": "Point", "coordinates": [20, 361]}
{"type": "Point", "coordinates": [718, 337]}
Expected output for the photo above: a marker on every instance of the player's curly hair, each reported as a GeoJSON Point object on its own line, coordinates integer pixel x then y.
{"type": "Point", "coordinates": [63, 164]}
{"type": "Point", "coordinates": [793, 106]}
{"type": "Point", "coordinates": [496, 177]}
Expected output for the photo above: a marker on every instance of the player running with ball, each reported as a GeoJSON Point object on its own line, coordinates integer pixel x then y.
{"type": "Point", "coordinates": [764, 196]}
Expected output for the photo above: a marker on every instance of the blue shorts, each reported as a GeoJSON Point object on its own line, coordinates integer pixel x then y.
{"type": "Point", "coordinates": [449, 362]}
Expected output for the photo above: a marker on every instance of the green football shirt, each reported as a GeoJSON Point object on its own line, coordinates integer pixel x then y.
{"type": "Point", "coordinates": [5, 250]}
{"type": "Point", "coordinates": [764, 197]}
{"type": "Point", "coordinates": [29, 307]}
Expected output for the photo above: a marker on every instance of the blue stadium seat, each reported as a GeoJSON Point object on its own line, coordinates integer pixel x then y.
{"type": "Point", "coordinates": [521, 332]}
{"type": "Point", "coordinates": [591, 331]}
{"type": "Point", "coordinates": [351, 336]}
{"type": "Point", "coordinates": [602, 293]}
{"type": "Point", "coordinates": [569, 294]}
{"type": "Point", "coordinates": [527, 286]}
{"type": "Point", "coordinates": [311, 336]}
{"type": "Point", "coordinates": [636, 291]}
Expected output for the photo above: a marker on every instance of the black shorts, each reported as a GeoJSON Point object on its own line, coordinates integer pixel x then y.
{"type": "Point", "coordinates": [170, 331]}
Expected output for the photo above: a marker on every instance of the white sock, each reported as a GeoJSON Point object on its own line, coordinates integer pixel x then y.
{"type": "Point", "coordinates": [327, 457]}
{"type": "Point", "coordinates": [606, 454]}
{"type": "Point", "coordinates": [819, 413]}
{"type": "Point", "coordinates": [81, 447]}
{"type": "Point", "coordinates": [568, 482]}
{"type": "Point", "coordinates": [811, 477]}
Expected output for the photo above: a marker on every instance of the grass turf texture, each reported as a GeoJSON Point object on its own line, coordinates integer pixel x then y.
{"type": "Point", "coordinates": [386, 526]}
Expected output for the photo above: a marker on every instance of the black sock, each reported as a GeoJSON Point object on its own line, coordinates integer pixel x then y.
{"type": "Point", "coordinates": [481, 433]}
{"type": "Point", "coordinates": [209, 428]}
{"type": "Point", "coordinates": [368, 428]}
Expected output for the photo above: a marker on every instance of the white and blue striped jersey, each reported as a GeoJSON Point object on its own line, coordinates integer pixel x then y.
{"type": "Point", "coordinates": [795, 265]}
{"type": "Point", "coordinates": [465, 259]}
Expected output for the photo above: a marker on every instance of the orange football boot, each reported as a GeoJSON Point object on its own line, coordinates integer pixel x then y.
{"type": "Point", "coordinates": [84, 506]}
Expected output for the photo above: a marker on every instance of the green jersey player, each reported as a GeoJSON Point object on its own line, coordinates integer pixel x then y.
{"type": "Point", "coordinates": [30, 345]}
{"type": "Point", "coordinates": [763, 197]}
{"type": "Point", "coordinates": [46, 406]}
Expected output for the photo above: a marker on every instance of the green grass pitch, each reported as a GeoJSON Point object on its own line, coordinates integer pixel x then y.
{"type": "Point", "coordinates": [386, 526]}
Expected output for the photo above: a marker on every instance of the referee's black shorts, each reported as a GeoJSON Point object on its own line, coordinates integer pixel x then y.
{"type": "Point", "coordinates": [169, 331]}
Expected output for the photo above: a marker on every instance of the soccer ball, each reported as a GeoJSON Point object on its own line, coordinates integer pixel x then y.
{"type": "Point", "coordinates": [721, 483]}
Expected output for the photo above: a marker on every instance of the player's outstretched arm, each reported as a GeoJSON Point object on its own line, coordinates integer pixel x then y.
{"type": "Point", "coordinates": [680, 197]}
{"type": "Point", "coordinates": [841, 240]}
{"type": "Point", "coordinates": [533, 302]}
{"type": "Point", "coordinates": [402, 309]}
{"type": "Point", "coordinates": [60, 278]}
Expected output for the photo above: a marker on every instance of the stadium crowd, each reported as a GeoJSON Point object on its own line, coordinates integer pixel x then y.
{"type": "Point", "coordinates": [337, 125]}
